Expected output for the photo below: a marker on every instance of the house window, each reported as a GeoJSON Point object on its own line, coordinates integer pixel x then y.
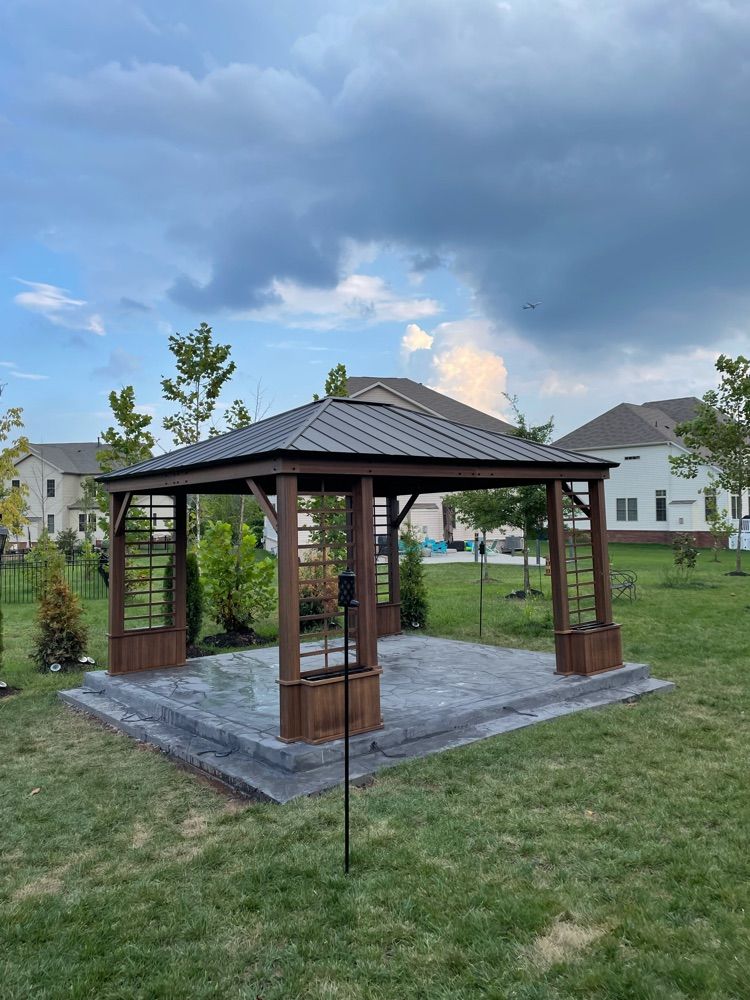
{"type": "Point", "coordinates": [15, 484]}
{"type": "Point", "coordinates": [627, 509]}
{"type": "Point", "coordinates": [711, 506]}
{"type": "Point", "coordinates": [81, 522]}
{"type": "Point", "coordinates": [736, 506]}
{"type": "Point", "coordinates": [50, 524]}
{"type": "Point", "coordinates": [661, 505]}
{"type": "Point", "coordinates": [92, 521]}
{"type": "Point", "coordinates": [50, 487]}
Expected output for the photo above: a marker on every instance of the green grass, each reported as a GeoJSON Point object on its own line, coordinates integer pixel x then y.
{"type": "Point", "coordinates": [603, 855]}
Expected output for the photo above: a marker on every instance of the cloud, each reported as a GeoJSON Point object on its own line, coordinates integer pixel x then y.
{"type": "Point", "coordinates": [415, 339]}
{"type": "Point", "coordinates": [31, 376]}
{"type": "Point", "coordinates": [556, 384]}
{"type": "Point", "coordinates": [56, 305]}
{"type": "Point", "coordinates": [593, 156]}
{"type": "Point", "coordinates": [358, 299]}
{"type": "Point", "coordinates": [120, 366]}
{"type": "Point", "coordinates": [475, 376]}
{"type": "Point", "coordinates": [15, 371]}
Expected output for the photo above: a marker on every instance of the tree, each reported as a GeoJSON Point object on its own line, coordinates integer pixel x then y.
{"type": "Point", "coordinates": [193, 599]}
{"type": "Point", "coordinates": [12, 498]}
{"type": "Point", "coordinates": [522, 507]}
{"type": "Point", "coordinates": [88, 502]}
{"type": "Point", "coordinates": [720, 528]}
{"type": "Point", "coordinates": [238, 588]}
{"type": "Point", "coordinates": [237, 418]}
{"type": "Point", "coordinates": [719, 434]}
{"type": "Point", "coordinates": [203, 367]}
{"type": "Point", "coordinates": [67, 542]}
{"type": "Point", "coordinates": [336, 382]}
{"type": "Point", "coordinates": [61, 634]}
{"type": "Point", "coordinates": [414, 606]}
{"type": "Point", "coordinates": [126, 442]}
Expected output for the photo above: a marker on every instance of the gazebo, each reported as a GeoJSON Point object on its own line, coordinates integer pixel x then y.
{"type": "Point", "coordinates": [328, 476]}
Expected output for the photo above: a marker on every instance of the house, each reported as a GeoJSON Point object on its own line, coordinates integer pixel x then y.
{"type": "Point", "coordinates": [431, 515]}
{"type": "Point", "coordinates": [646, 500]}
{"type": "Point", "coordinates": [54, 475]}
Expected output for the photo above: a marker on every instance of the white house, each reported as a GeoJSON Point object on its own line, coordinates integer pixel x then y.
{"type": "Point", "coordinates": [54, 475]}
{"type": "Point", "coordinates": [429, 515]}
{"type": "Point", "coordinates": [646, 500]}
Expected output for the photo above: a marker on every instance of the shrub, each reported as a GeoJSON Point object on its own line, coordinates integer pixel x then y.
{"type": "Point", "coordinates": [238, 588]}
{"type": "Point", "coordinates": [48, 560]}
{"type": "Point", "coordinates": [414, 605]}
{"type": "Point", "coordinates": [193, 598]}
{"type": "Point", "coordinates": [61, 634]}
{"type": "Point", "coordinates": [685, 554]}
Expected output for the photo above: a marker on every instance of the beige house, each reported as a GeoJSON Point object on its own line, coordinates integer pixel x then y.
{"type": "Point", "coordinates": [54, 475]}
{"type": "Point", "coordinates": [431, 514]}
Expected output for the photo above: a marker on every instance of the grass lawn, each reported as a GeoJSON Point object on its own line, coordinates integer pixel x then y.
{"type": "Point", "coordinates": [603, 855]}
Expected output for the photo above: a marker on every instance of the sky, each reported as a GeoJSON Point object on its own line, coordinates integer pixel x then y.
{"type": "Point", "coordinates": [380, 183]}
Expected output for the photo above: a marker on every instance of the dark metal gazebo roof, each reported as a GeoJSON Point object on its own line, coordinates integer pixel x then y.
{"type": "Point", "coordinates": [348, 429]}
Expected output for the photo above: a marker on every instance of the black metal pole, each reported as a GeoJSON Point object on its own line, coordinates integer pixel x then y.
{"type": "Point", "coordinates": [481, 584]}
{"type": "Point", "coordinates": [346, 740]}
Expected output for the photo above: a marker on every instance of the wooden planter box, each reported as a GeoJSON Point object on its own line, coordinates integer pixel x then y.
{"type": "Point", "coordinates": [322, 705]}
{"type": "Point", "coordinates": [588, 649]}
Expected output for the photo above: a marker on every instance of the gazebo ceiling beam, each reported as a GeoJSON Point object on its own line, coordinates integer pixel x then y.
{"type": "Point", "coordinates": [401, 477]}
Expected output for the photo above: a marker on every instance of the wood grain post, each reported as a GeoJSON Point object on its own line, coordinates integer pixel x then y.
{"type": "Point", "coordinates": [290, 721]}
{"type": "Point", "coordinates": [364, 555]}
{"type": "Point", "coordinates": [558, 570]}
{"type": "Point", "coordinates": [117, 503]}
{"type": "Point", "coordinates": [600, 552]}
{"type": "Point", "coordinates": [394, 567]}
{"type": "Point", "coordinates": [180, 559]}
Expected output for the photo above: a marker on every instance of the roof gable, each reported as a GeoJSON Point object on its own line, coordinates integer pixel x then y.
{"type": "Point", "coordinates": [74, 457]}
{"type": "Point", "coordinates": [624, 425]}
{"type": "Point", "coordinates": [349, 428]}
{"type": "Point", "coordinates": [431, 400]}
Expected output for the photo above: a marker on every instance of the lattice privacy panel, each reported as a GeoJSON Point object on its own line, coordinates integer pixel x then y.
{"type": "Point", "coordinates": [579, 562]}
{"type": "Point", "coordinates": [325, 547]}
{"type": "Point", "coordinates": [381, 529]}
{"type": "Point", "coordinates": [149, 579]}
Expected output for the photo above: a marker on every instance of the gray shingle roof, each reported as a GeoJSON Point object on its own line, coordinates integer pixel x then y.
{"type": "Point", "coordinates": [78, 457]}
{"type": "Point", "coordinates": [442, 406]}
{"type": "Point", "coordinates": [350, 428]}
{"type": "Point", "coordinates": [632, 424]}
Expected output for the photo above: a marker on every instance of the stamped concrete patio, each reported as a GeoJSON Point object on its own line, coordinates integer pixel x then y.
{"type": "Point", "coordinates": [220, 714]}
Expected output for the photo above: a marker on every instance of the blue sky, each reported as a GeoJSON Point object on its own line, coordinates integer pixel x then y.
{"type": "Point", "coordinates": [379, 183]}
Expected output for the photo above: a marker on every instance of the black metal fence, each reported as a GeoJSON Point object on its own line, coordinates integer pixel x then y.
{"type": "Point", "coordinates": [21, 578]}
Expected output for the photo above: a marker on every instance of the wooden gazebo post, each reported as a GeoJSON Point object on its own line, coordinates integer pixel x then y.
{"type": "Point", "coordinates": [594, 645]}
{"type": "Point", "coordinates": [290, 721]}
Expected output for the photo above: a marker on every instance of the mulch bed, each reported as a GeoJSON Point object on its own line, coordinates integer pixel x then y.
{"type": "Point", "coordinates": [6, 692]}
{"type": "Point", "coordinates": [211, 644]}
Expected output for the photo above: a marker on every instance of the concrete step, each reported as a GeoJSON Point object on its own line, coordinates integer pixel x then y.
{"type": "Point", "coordinates": [242, 771]}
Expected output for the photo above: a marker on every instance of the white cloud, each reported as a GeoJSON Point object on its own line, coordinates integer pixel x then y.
{"type": "Point", "coordinates": [557, 384]}
{"type": "Point", "coordinates": [415, 339]}
{"type": "Point", "coordinates": [358, 298]}
{"type": "Point", "coordinates": [472, 374]}
{"type": "Point", "coordinates": [56, 305]}
{"type": "Point", "coordinates": [32, 376]}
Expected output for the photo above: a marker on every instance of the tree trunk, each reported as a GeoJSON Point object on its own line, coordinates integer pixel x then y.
{"type": "Point", "coordinates": [242, 519]}
{"type": "Point", "coordinates": [485, 568]}
{"type": "Point", "coordinates": [738, 556]}
{"type": "Point", "coordinates": [526, 575]}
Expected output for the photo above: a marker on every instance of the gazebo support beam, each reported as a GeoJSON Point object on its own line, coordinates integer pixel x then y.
{"type": "Point", "coordinates": [264, 503]}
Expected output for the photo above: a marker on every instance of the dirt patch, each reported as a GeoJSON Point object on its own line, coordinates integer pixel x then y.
{"type": "Point", "coordinates": [7, 691]}
{"type": "Point", "coordinates": [46, 885]}
{"type": "Point", "coordinates": [141, 835]}
{"type": "Point", "coordinates": [565, 941]}
{"type": "Point", "coordinates": [194, 825]}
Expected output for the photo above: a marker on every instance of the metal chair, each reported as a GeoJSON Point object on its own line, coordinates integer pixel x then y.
{"type": "Point", "coordinates": [623, 581]}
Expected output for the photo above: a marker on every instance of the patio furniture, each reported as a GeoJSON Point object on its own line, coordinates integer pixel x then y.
{"type": "Point", "coordinates": [511, 544]}
{"type": "Point", "coordinates": [623, 581]}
